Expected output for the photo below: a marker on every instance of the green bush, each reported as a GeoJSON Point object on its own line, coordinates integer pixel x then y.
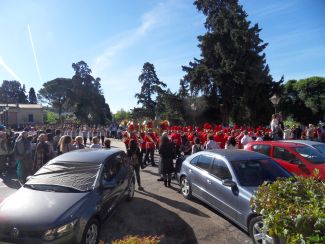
{"type": "Point", "coordinates": [293, 209]}
{"type": "Point", "coordinates": [290, 122]}
{"type": "Point", "coordinates": [136, 240]}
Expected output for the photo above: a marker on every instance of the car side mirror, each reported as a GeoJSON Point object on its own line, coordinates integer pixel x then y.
{"type": "Point", "coordinates": [229, 183]}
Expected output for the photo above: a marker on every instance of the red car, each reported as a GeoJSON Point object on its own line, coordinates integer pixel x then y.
{"type": "Point", "coordinates": [297, 158]}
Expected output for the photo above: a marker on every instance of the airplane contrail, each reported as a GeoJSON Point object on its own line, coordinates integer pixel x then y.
{"type": "Point", "coordinates": [9, 70]}
{"type": "Point", "coordinates": [35, 58]}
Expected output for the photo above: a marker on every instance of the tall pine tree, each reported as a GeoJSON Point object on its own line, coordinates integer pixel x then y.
{"type": "Point", "coordinates": [232, 73]}
{"type": "Point", "coordinates": [151, 86]}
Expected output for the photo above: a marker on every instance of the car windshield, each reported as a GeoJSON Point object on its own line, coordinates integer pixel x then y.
{"type": "Point", "coordinates": [320, 147]}
{"type": "Point", "coordinates": [255, 172]}
{"type": "Point", "coordinates": [311, 155]}
{"type": "Point", "coordinates": [65, 177]}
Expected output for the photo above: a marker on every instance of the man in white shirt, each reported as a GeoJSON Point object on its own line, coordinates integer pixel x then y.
{"type": "Point", "coordinates": [211, 144]}
{"type": "Point", "coordinates": [246, 138]}
{"type": "Point", "coordinates": [96, 143]}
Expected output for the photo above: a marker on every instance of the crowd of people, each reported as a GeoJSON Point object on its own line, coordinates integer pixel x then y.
{"type": "Point", "coordinates": [30, 149]}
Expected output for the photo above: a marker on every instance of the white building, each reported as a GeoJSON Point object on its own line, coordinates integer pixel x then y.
{"type": "Point", "coordinates": [15, 115]}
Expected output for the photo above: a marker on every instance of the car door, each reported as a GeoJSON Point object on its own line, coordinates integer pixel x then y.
{"type": "Point", "coordinates": [221, 197]}
{"type": "Point", "coordinates": [197, 174]}
{"type": "Point", "coordinates": [110, 183]}
{"type": "Point", "coordinates": [283, 156]}
{"type": "Point", "coordinates": [121, 173]}
{"type": "Point", "coordinates": [125, 173]}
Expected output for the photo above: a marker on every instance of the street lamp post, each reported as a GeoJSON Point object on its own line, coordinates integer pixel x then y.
{"type": "Point", "coordinates": [157, 114]}
{"type": "Point", "coordinates": [275, 101]}
{"type": "Point", "coordinates": [2, 117]}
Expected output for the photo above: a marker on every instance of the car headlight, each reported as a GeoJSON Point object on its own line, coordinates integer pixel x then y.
{"type": "Point", "coordinates": [62, 230]}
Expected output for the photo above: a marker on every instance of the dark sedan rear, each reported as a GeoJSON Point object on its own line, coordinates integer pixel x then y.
{"type": "Point", "coordinates": [226, 180]}
{"type": "Point", "coordinates": [68, 198]}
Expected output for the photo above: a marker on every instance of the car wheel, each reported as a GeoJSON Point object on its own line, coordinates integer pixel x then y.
{"type": "Point", "coordinates": [130, 191]}
{"type": "Point", "coordinates": [91, 233]}
{"type": "Point", "coordinates": [186, 188]}
{"type": "Point", "coordinates": [258, 233]}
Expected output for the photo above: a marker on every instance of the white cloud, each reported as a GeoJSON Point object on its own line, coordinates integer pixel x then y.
{"type": "Point", "coordinates": [150, 20]}
{"type": "Point", "coordinates": [9, 70]}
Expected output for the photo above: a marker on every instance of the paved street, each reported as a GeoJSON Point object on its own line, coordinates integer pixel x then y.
{"type": "Point", "coordinates": [160, 211]}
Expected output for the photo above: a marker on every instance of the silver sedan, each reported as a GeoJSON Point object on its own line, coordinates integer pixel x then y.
{"type": "Point", "coordinates": [226, 180]}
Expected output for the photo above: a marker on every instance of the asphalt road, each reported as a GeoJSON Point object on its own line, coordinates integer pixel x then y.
{"type": "Point", "coordinates": [158, 211]}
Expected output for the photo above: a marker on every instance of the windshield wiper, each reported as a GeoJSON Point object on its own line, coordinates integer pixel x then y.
{"type": "Point", "coordinates": [30, 186]}
{"type": "Point", "coordinates": [52, 188]}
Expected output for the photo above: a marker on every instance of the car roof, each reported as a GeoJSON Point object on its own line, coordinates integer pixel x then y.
{"type": "Point", "coordinates": [305, 142]}
{"type": "Point", "coordinates": [96, 156]}
{"type": "Point", "coordinates": [237, 154]}
{"type": "Point", "coordinates": [276, 143]}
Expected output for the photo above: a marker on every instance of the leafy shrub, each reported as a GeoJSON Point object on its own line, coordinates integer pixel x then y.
{"type": "Point", "coordinates": [137, 240]}
{"type": "Point", "coordinates": [293, 209]}
{"type": "Point", "coordinates": [290, 122]}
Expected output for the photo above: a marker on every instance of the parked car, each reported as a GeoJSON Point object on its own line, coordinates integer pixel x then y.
{"type": "Point", "coordinates": [226, 180]}
{"type": "Point", "coordinates": [68, 199]}
{"type": "Point", "coordinates": [319, 146]}
{"type": "Point", "coordinates": [295, 157]}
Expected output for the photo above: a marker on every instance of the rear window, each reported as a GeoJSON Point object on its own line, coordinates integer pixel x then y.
{"type": "Point", "coordinates": [255, 172]}
{"type": "Point", "coordinates": [311, 155]}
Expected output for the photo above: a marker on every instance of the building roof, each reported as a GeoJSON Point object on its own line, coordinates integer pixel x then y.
{"type": "Point", "coordinates": [21, 105]}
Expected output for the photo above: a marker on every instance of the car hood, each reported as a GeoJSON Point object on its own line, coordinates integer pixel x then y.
{"type": "Point", "coordinates": [29, 207]}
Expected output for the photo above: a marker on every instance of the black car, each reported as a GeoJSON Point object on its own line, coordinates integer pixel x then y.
{"type": "Point", "coordinates": [68, 198]}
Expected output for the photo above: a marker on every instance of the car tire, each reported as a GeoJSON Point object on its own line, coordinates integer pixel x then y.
{"type": "Point", "coordinates": [130, 190]}
{"type": "Point", "coordinates": [186, 189]}
{"type": "Point", "coordinates": [257, 234]}
{"type": "Point", "coordinates": [91, 232]}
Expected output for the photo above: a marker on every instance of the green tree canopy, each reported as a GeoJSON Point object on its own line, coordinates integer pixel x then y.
{"type": "Point", "coordinates": [312, 92]}
{"type": "Point", "coordinates": [151, 86]}
{"type": "Point", "coordinates": [304, 100]}
{"type": "Point", "coordinates": [121, 115]}
{"type": "Point", "coordinates": [12, 92]}
{"type": "Point", "coordinates": [86, 96]}
{"type": "Point", "coordinates": [56, 93]}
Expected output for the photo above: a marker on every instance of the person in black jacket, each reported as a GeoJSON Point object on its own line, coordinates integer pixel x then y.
{"type": "Point", "coordinates": [134, 155]}
{"type": "Point", "coordinates": [166, 152]}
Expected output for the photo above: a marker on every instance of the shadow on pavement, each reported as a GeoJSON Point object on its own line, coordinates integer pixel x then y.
{"type": "Point", "coordinates": [142, 217]}
{"type": "Point", "coordinates": [9, 179]}
{"type": "Point", "coordinates": [149, 172]}
{"type": "Point", "coordinates": [175, 204]}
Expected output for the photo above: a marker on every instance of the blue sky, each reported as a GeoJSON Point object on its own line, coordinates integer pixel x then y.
{"type": "Point", "coordinates": [41, 39]}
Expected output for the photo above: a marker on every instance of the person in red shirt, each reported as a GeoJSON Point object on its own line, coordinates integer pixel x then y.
{"type": "Point", "coordinates": [126, 139]}
{"type": "Point", "coordinates": [143, 149]}
{"type": "Point", "coordinates": [150, 141]}
{"type": "Point", "coordinates": [190, 134]}
{"type": "Point", "coordinates": [220, 139]}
